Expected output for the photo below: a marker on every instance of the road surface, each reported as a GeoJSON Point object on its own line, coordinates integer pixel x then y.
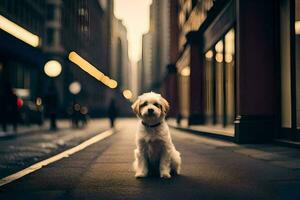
{"type": "Point", "coordinates": [211, 169]}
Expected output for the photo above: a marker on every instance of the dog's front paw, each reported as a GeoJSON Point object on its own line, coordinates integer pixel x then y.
{"type": "Point", "coordinates": [140, 175]}
{"type": "Point", "coordinates": [165, 175]}
{"type": "Point", "coordinates": [178, 171]}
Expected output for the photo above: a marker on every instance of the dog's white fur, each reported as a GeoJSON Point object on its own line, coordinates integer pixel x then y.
{"type": "Point", "coordinates": [153, 139]}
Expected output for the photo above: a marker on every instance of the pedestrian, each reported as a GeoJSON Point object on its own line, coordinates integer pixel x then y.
{"type": "Point", "coordinates": [9, 108]}
{"type": "Point", "coordinates": [51, 103]}
{"type": "Point", "coordinates": [112, 113]}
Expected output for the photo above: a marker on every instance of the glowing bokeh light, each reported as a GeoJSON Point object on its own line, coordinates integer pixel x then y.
{"type": "Point", "coordinates": [209, 54]}
{"type": "Point", "coordinates": [219, 57]}
{"type": "Point", "coordinates": [228, 58]}
{"type": "Point", "coordinates": [91, 70]}
{"type": "Point", "coordinates": [186, 71]}
{"type": "Point", "coordinates": [39, 101]}
{"type": "Point", "coordinates": [219, 46]}
{"type": "Point", "coordinates": [127, 94]}
{"type": "Point", "coordinates": [52, 68]}
{"type": "Point", "coordinates": [75, 87]}
{"type": "Point", "coordinates": [18, 32]}
{"type": "Point", "coordinates": [297, 27]}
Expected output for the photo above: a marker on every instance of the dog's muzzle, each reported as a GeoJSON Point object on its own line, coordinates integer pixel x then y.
{"type": "Point", "coordinates": [150, 111]}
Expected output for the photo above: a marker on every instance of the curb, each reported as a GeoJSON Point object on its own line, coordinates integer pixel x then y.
{"type": "Point", "coordinates": [205, 134]}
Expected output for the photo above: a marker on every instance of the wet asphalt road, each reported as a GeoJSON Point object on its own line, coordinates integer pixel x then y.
{"type": "Point", "coordinates": [211, 169]}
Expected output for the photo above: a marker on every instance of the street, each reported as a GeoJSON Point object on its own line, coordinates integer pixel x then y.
{"type": "Point", "coordinates": [212, 169]}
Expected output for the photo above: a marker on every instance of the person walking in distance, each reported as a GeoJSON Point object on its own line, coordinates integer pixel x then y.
{"type": "Point", "coordinates": [112, 113]}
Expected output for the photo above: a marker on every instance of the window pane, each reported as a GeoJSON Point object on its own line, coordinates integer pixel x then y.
{"type": "Point", "coordinates": [219, 81]}
{"type": "Point", "coordinates": [229, 60]}
{"type": "Point", "coordinates": [208, 85]}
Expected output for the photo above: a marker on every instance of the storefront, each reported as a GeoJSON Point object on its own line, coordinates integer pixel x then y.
{"type": "Point", "coordinates": [219, 70]}
{"type": "Point", "coordinates": [233, 70]}
{"type": "Point", "coordinates": [290, 69]}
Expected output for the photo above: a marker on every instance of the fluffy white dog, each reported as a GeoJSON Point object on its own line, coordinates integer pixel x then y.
{"type": "Point", "coordinates": [155, 152]}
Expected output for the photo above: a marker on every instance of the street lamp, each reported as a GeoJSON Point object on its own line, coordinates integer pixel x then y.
{"type": "Point", "coordinates": [52, 69]}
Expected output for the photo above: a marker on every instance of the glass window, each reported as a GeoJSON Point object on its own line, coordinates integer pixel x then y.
{"type": "Point", "coordinates": [220, 81]}
{"type": "Point", "coordinates": [208, 85]}
{"type": "Point", "coordinates": [219, 47]}
{"type": "Point", "coordinates": [230, 75]}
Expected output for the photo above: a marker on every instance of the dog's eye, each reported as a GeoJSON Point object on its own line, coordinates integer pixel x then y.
{"type": "Point", "coordinates": [156, 105]}
{"type": "Point", "coordinates": [144, 104]}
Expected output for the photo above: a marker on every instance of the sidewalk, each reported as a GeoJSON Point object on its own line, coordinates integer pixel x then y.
{"type": "Point", "coordinates": [217, 131]}
{"type": "Point", "coordinates": [22, 129]}
{"type": "Point", "coordinates": [30, 145]}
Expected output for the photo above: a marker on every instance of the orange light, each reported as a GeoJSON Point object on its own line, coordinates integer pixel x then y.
{"type": "Point", "coordinates": [186, 71]}
{"type": "Point", "coordinates": [297, 27]}
{"type": "Point", "coordinates": [127, 94]}
{"type": "Point", "coordinates": [219, 46]}
{"type": "Point", "coordinates": [38, 101]}
{"type": "Point", "coordinates": [228, 58]}
{"type": "Point", "coordinates": [85, 65]}
{"type": "Point", "coordinates": [219, 57]}
{"type": "Point", "coordinates": [112, 83]}
{"type": "Point", "coordinates": [92, 70]}
{"type": "Point", "coordinates": [209, 54]}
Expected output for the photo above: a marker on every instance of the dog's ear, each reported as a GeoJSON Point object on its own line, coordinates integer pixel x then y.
{"type": "Point", "coordinates": [165, 105]}
{"type": "Point", "coordinates": [135, 106]}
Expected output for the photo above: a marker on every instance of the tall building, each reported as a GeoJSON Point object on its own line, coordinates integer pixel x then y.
{"type": "Point", "coordinates": [120, 64]}
{"type": "Point", "coordinates": [21, 40]}
{"type": "Point", "coordinates": [58, 27]}
{"type": "Point", "coordinates": [146, 63]}
{"type": "Point", "coordinates": [156, 53]}
{"type": "Point", "coordinates": [119, 68]}
{"type": "Point", "coordinates": [81, 26]}
{"type": "Point", "coordinates": [159, 20]}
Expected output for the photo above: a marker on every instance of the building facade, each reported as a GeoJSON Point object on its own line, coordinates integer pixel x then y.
{"type": "Point", "coordinates": [83, 26]}
{"type": "Point", "coordinates": [238, 60]}
{"type": "Point", "coordinates": [21, 62]}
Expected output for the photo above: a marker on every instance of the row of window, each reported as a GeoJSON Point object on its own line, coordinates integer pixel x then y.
{"type": "Point", "coordinates": [220, 81]}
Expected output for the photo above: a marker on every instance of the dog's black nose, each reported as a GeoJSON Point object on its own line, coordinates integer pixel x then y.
{"type": "Point", "coordinates": [150, 111]}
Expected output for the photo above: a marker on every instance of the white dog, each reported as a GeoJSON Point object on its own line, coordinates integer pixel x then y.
{"type": "Point", "coordinates": [155, 150]}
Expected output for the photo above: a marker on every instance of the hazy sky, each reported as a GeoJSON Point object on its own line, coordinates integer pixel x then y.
{"type": "Point", "coordinates": [135, 16]}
